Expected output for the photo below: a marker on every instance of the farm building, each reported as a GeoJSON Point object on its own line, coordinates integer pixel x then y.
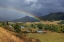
{"type": "Point", "coordinates": [39, 31]}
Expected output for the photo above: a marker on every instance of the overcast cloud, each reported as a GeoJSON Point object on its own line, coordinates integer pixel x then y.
{"type": "Point", "coordinates": [35, 7]}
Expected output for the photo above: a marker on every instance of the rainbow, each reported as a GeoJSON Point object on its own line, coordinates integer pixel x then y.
{"type": "Point", "coordinates": [20, 11]}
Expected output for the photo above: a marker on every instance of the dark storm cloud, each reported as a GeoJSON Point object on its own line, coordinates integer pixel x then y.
{"type": "Point", "coordinates": [36, 7]}
{"type": "Point", "coordinates": [10, 15]}
{"type": "Point", "coordinates": [49, 6]}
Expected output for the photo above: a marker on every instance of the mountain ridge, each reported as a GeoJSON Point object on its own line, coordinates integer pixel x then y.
{"type": "Point", "coordinates": [53, 16]}
{"type": "Point", "coordinates": [26, 19]}
{"type": "Point", "coordinates": [2, 19]}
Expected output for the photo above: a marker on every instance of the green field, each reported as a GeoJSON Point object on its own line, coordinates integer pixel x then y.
{"type": "Point", "coordinates": [49, 37]}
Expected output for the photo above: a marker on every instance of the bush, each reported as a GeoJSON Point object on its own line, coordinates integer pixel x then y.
{"type": "Point", "coordinates": [62, 26]}
{"type": "Point", "coordinates": [40, 26]}
{"type": "Point", "coordinates": [2, 23]}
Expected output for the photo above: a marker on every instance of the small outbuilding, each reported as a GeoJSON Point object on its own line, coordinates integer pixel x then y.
{"type": "Point", "coordinates": [39, 31]}
{"type": "Point", "coordinates": [22, 27]}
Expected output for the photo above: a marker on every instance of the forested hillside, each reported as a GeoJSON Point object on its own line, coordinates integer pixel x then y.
{"type": "Point", "coordinates": [53, 16]}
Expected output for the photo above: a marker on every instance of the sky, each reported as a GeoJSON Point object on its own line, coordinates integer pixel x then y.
{"type": "Point", "coordinates": [35, 7]}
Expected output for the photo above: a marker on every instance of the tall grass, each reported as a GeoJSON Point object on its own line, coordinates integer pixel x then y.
{"type": "Point", "coordinates": [49, 37]}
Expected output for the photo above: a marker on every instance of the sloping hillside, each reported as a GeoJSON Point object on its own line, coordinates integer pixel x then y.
{"type": "Point", "coordinates": [2, 19]}
{"type": "Point", "coordinates": [6, 36]}
{"type": "Point", "coordinates": [9, 36]}
{"type": "Point", "coordinates": [53, 16]}
{"type": "Point", "coordinates": [26, 19]}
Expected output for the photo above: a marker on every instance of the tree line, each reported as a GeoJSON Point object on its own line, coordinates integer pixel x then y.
{"type": "Point", "coordinates": [49, 27]}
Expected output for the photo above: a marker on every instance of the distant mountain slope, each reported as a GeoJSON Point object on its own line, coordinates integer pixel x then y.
{"type": "Point", "coordinates": [53, 16]}
{"type": "Point", "coordinates": [2, 19]}
{"type": "Point", "coordinates": [26, 19]}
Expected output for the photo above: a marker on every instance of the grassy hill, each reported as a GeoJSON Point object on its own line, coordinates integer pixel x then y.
{"type": "Point", "coordinates": [7, 36]}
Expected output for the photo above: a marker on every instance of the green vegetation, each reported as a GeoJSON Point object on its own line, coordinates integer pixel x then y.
{"type": "Point", "coordinates": [17, 28]}
{"type": "Point", "coordinates": [62, 22]}
{"type": "Point", "coordinates": [40, 26]}
{"type": "Point", "coordinates": [7, 23]}
{"type": "Point", "coordinates": [62, 27]}
{"type": "Point", "coordinates": [2, 23]}
{"type": "Point", "coordinates": [45, 27]}
{"type": "Point", "coordinates": [51, 27]}
{"type": "Point", "coordinates": [34, 27]}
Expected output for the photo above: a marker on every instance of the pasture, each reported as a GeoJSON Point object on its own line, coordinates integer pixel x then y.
{"type": "Point", "coordinates": [48, 37]}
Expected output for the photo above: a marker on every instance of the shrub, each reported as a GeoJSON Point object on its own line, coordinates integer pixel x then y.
{"type": "Point", "coordinates": [62, 26]}
{"type": "Point", "coordinates": [40, 26]}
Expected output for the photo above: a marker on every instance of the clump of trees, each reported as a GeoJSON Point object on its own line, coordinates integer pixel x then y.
{"type": "Point", "coordinates": [62, 28]}
{"type": "Point", "coordinates": [2, 23]}
{"type": "Point", "coordinates": [50, 27]}
{"type": "Point", "coordinates": [55, 28]}
{"type": "Point", "coordinates": [40, 26]}
{"type": "Point", "coordinates": [14, 27]}
{"type": "Point", "coordinates": [17, 28]}
{"type": "Point", "coordinates": [34, 27]}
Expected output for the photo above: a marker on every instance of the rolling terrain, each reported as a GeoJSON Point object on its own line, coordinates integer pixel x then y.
{"type": "Point", "coordinates": [51, 16]}
{"type": "Point", "coordinates": [7, 36]}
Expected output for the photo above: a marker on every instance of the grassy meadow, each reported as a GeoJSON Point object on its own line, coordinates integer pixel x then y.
{"type": "Point", "coordinates": [48, 37]}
